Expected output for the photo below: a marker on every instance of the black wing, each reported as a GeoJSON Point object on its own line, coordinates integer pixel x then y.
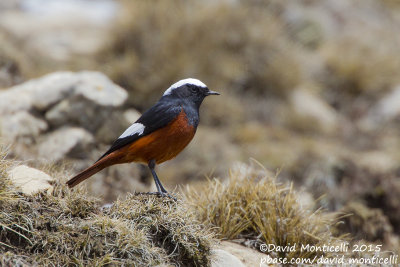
{"type": "Point", "coordinates": [154, 118]}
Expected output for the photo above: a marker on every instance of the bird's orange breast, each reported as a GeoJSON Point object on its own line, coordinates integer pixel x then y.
{"type": "Point", "coordinates": [160, 145]}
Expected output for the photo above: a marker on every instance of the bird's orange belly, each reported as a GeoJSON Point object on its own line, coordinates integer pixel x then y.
{"type": "Point", "coordinates": [161, 145]}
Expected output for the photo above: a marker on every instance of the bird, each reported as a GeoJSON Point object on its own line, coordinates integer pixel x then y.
{"type": "Point", "coordinates": [159, 134]}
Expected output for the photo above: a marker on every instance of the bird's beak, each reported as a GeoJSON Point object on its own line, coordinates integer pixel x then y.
{"type": "Point", "coordinates": [212, 93]}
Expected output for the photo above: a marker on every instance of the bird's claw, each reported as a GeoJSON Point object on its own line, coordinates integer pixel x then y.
{"type": "Point", "coordinates": [159, 194]}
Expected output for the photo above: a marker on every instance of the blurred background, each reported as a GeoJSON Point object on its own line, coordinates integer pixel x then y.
{"type": "Point", "coordinates": [309, 88]}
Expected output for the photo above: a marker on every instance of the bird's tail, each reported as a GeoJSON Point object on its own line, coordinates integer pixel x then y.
{"type": "Point", "coordinates": [85, 174]}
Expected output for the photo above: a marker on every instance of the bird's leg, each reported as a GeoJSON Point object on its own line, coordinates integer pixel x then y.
{"type": "Point", "coordinates": [161, 190]}
{"type": "Point", "coordinates": [153, 172]}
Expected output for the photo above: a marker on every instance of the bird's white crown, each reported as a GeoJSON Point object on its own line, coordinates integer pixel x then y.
{"type": "Point", "coordinates": [183, 82]}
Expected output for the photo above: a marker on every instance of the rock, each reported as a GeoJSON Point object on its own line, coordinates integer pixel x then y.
{"type": "Point", "coordinates": [83, 99]}
{"type": "Point", "coordinates": [98, 88]}
{"type": "Point", "coordinates": [72, 142]}
{"type": "Point", "coordinates": [78, 111]}
{"type": "Point", "coordinates": [131, 115]}
{"type": "Point", "coordinates": [309, 106]}
{"type": "Point", "coordinates": [12, 100]}
{"type": "Point", "coordinates": [115, 124]}
{"type": "Point", "coordinates": [30, 180]}
{"type": "Point", "coordinates": [57, 30]}
{"type": "Point", "coordinates": [44, 92]}
{"type": "Point", "coordinates": [37, 93]}
{"type": "Point", "coordinates": [21, 124]}
{"type": "Point", "coordinates": [58, 115]}
{"type": "Point", "coordinates": [222, 258]}
{"type": "Point", "coordinates": [247, 256]}
{"type": "Point", "coordinates": [111, 128]}
{"type": "Point", "coordinates": [385, 110]}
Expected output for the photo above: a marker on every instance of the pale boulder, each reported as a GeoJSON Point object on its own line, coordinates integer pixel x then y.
{"type": "Point", "coordinates": [247, 256]}
{"type": "Point", "coordinates": [68, 141]}
{"type": "Point", "coordinates": [42, 93]}
{"type": "Point", "coordinates": [21, 124]}
{"type": "Point", "coordinates": [131, 115]}
{"type": "Point", "coordinates": [77, 110]}
{"type": "Point", "coordinates": [222, 258]}
{"type": "Point", "coordinates": [115, 124]}
{"type": "Point", "coordinates": [30, 180]}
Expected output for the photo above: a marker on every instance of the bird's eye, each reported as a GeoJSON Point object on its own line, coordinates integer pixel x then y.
{"type": "Point", "coordinates": [194, 89]}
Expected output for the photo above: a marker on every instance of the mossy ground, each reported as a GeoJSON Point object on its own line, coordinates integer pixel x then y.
{"type": "Point", "coordinates": [69, 228]}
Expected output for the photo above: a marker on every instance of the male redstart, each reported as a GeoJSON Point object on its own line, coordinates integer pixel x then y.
{"type": "Point", "coordinates": [159, 134]}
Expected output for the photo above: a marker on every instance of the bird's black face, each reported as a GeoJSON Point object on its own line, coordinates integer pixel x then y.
{"type": "Point", "coordinates": [193, 92]}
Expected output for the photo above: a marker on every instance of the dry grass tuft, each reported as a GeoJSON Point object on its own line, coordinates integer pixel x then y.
{"type": "Point", "coordinates": [69, 228]}
{"type": "Point", "coordinates": [5, 184]}
{"type": "Point", "coordinates": [252, 206]}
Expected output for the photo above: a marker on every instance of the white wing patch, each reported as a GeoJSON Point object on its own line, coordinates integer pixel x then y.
{"type": "Point", "coordinates": [136, 128]}
{"type": "Point", "coordinates": [183, 82]}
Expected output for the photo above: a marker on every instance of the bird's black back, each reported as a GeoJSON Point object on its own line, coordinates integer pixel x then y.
{"type": "Point", "coordinates": [159, 116]}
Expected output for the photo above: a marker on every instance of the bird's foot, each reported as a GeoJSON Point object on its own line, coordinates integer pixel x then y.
{"type": "Point", "coordinates": [159, 194]}
{"type": "Point", "coordinates": [166, 194]}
